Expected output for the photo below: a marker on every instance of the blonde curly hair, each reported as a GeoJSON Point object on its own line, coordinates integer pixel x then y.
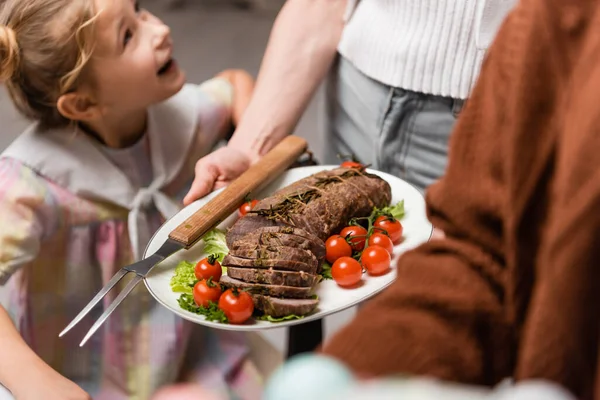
{"type": "Point", "coordinates": [45, 46]}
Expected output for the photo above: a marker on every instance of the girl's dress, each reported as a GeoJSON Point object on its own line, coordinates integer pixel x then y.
{"type": "Point", "coordinates": [73, 213]}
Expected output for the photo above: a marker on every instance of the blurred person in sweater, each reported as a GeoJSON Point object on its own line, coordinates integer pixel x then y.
{"type": "Point", "coordinates": [513, 290]}
{"type": "Point", "coordinates": [398, 74]}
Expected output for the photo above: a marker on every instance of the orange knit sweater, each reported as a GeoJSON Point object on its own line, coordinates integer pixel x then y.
{"type": "Point", "coordinates": [514, 289]}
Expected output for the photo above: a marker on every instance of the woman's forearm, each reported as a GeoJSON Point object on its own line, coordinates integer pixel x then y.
{"type": "Point", "coordinates": [300, 51]}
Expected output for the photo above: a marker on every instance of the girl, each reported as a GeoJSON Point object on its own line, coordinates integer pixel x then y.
{"type": "Point", "coordinates": [114, 142]}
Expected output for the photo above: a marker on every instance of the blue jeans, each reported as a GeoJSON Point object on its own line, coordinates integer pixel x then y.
{"type": "Point", "coordinates": [397, 131]}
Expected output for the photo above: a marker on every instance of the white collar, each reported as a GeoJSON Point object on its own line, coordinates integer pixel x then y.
{"type": "Point", "coordinates": [76, 163]}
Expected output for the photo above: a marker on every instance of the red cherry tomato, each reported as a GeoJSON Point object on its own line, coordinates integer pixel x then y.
{"type": "Point", "coordinates": [351, 164]}
{"type": "Point", "coordinates": [376, 260]}
{"type": "Point", "coordinates": [381, 240]}
{"type": "Point", "coordinates": [392, 226]}
{"type": "Point", "coordinates": [205, 291]}
{"type": "Point", "coordinates": [237, 306]}
{"type": "Point", "coordinates": [357, 243]}
{"type": "Point", "coordinates": [346, 271]}
{"type": "Point", "coordinates": [207, 268]}
{"type": "Point", "coordinates": [336, 247]}
{"type": "Point", "coordinates": [247, 206]}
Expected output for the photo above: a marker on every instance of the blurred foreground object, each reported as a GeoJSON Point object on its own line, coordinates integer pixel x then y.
{"type": "Point", "coordinates": [308, 377]}
{"type": "Point", "coordinates": [316, 377]}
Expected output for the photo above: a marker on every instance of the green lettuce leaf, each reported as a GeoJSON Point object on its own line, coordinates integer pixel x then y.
{"type": "Point", "coordinates": [396, 211]}
{"type": "Point", "coordinates": [215, 243]}
{"type": "Point", "coordinates": [212, 312]}
{"type": "Point", "coordinates": [280, 319]}
{"type": "Point", "coordinates": [326, 271]}
{"type": "Point", "coordinates": [184, 279]}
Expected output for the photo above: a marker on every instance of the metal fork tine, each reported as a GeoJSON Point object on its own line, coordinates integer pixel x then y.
{"type": "Point", "coordinates": [130, 286]}
{"type": "Point", "coordinates": [114, 280]}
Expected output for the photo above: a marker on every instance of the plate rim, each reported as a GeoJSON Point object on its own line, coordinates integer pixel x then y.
{"type": "Point", "coordinates": [272, 325]}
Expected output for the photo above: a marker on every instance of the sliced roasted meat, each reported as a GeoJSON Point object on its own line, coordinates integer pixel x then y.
{"type": "Point", "coordinates": [345, 198]}
{"type": "Point", "coordinates": [268, 290]}
{"type": "Point", "coordinates": [284, 236]}
{"type": "Point", "coordinates": [277, 307]}
{"type": "Point", "coordinates": [287, 265]}
{"type": "Point", "coordinates": [249, 223]}
{"type": "Point", "coordinates": [308, 219]}
{"type": "Point", "coordinates": [297, 188]}
{"type": "Point", "coordinates": [300, 217]}
{"type": "Point", "coordinates": [284, 239]}
{"type": "Point", "coordinates": [320, 204]}
{"type": "Point", "coordinates": [275, 253]}
{"type": "Point", "coordinates": [273, 277]}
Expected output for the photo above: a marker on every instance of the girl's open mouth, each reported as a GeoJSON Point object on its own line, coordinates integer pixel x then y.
{"type": "Point", "coordinates": [165, 68]}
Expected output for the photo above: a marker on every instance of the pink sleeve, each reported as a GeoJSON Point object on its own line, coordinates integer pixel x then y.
{"type": "Point", "coordinates": [214, 113]}
{"type": "Point", "coordinates": [26, 206]}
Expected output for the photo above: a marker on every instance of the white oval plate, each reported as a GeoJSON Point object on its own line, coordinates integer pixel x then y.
{"type": "Point", "coordinates": [332, 298]}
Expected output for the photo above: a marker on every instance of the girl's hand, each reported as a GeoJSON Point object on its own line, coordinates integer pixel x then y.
{"type": "Point", "coordinates": [45, 383]}
{"type": "Point", "coordinates": [243, 86]}
{"type": "Point", "coordinates": [216, 170]}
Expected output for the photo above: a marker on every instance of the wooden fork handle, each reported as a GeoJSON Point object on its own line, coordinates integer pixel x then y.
{"type": "Point", "coordinates": [269, 167]}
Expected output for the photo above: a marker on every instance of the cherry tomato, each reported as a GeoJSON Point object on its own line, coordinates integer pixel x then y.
{"type": "Point", "coordinates": [205, 291]}
{"type": "Point", "coordinates": [357, 243]}
{"type": "Point", "coordinates": [336, 247]}
{"type": "Point", "coordinates": [392, 226]}
{"type": "Point", "coordinates": [346, 271]}
{"type": "Point", "coordinates": [381, 240]}
{"type": "Point", "coordinates": [351, 164]}
{"type": "Point", "coordinates": [247, 206]}
{"type": "Point", "coordinates": [207, 268]}
{"type": "Point", "coordinates": [237, 306]}
{"type": "Point", "coordinates": [376, 260]}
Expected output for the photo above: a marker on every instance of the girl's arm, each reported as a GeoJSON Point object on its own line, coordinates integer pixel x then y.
{"type": "Point", "coordinates": [243, 85]}
{"type": "Point", "coordinates": [25, 374]}
{"type": "Point", "coordinates": [16, 358]}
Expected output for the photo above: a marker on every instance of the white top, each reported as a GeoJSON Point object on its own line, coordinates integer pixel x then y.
{"type": "Point", "coordinates": [429, 46]}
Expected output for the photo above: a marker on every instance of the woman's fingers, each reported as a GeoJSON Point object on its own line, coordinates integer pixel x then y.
{"type": "Point", "coordinates": [206, 175]}
{"type": "Point", "coordinates": [215, 171]}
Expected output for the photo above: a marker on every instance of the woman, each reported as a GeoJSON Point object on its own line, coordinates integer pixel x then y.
{"type": "Point", "coordinates": [399, 72]}
{"type": "Point", "coordinates": [513, 290]}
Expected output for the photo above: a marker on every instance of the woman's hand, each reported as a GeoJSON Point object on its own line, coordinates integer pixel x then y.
{"type": "Point", "coordinates": [216, 170]}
